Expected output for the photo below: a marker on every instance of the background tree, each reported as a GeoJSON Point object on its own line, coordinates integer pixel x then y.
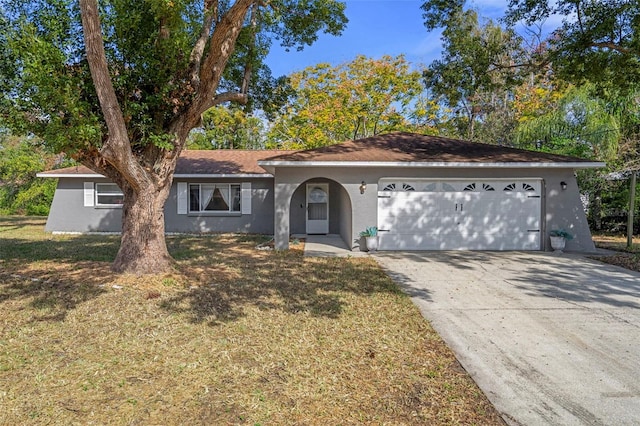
{"type": "Point", "coordinates": [357, 99]}
{"type": "Point", "coordinates": [481, 63]}
{"type": "Point", "coordinates": [21, 192]}
{"type": "Point", "coordinates": [228, 128]}
{"type": "Point", "coordinates": [119, 87]}
{"type": "Point", "coordinates": [579, 125]}
{"type": "Point", "coordinates": [597, 42]}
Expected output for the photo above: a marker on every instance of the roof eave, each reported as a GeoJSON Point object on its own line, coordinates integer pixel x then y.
{"type": "Point", "coordinates": [271, 165]}
{"type": "Point", "coordinates": [177, 175]}
{"type": "Point", "coordinates": [68, 175]}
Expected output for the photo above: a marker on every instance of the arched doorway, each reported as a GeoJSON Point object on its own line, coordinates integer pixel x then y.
{"type": "Point", "coordinates": [321, 206]}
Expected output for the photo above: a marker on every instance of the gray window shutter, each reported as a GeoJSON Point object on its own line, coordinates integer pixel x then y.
{"type": "Point", "coordinates": [89, 197]}
{"type": "Point", "coordinates": [183, 200]}
{"type": "Point", "coordinates": [245, 198]}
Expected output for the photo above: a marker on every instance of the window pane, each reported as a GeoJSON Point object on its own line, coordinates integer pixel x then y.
{"type": "Point", "coordinates": [219, 200]}
{"type": "Point", "coordinates": [108, 194]}
{"type": "Point", "coordinates": [194, 198]}
{"type": "Point", "coordinates": [235, 198]}
{"type": "Point", "coordinates": [207, 191]}
{"type": "Point", "coordinates": [210, 197]}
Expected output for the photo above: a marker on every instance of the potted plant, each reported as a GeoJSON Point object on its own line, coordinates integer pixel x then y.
{"type": "Point", "coordinates": [559, 237]}
{"type": "Point", "coordinates": [370, 236]}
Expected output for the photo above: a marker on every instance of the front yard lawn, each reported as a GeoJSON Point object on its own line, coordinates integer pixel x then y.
{"type": "Point", "coordinates": [625, 257]}
{"type": "Point", "coordinates": [236, 336]}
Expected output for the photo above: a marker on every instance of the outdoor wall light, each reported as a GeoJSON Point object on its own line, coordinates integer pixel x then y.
{"type": "Point", "coordinates": [363, 187]}
{"type": "Point", "coordinates": [563, 185]}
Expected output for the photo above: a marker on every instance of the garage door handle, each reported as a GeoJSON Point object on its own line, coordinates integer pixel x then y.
{"type": "Point", "coordinates": [533, 230]}
{"type": "Point", "coordinates": [384, 230]}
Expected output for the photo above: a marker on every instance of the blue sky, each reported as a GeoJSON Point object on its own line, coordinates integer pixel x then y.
{"type": "Point", "coordinates": [376, 28]}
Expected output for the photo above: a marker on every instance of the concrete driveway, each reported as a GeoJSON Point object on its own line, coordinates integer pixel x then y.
{"type": "Point", "coordinates": [551, 340]}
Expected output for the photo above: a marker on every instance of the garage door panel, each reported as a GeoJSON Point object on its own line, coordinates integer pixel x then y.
{"type": "Point", "coordinates": [409, 241]}
{"type": "Point", "coordinates": [506, 216]}
{"type": "Point", "coordinates": [410, 224]}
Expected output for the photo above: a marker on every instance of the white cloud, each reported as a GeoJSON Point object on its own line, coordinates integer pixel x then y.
{"type": "Point", "coordinates": [428, 48]}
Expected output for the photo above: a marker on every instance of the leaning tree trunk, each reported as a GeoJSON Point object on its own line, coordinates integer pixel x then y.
{"type": "Point", "coordinates": [143, 249]}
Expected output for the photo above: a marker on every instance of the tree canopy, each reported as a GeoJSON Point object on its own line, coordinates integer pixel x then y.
{"type": "Point", "coordinates": [598, 41]}
{"type": "Point", "coordinates": [356, 99]}
{"type": "Point", "coordinates": [119, 85]}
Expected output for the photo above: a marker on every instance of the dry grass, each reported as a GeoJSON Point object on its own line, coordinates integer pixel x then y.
{"type": "Point", "coordinates": [235, 336]}
{"type": "Point", "coordinates": [626, 258]}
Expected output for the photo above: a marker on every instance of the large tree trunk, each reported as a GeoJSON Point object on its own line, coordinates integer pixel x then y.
{"type": "Point", "coordinates": [145, 178]}
{"type": "Point", "coordinates": [143, 249]}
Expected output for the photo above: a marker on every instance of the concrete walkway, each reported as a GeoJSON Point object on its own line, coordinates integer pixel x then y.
{"type": "Point", "coordinates": [327, 246]}
{"type": "Point", "coordinates": [551, 340]}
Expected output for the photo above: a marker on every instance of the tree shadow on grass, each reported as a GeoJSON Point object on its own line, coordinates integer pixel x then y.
{"type": "Point", "coordinates": [50, 299]}
{"type": "Point", "coordinates": [101, 248]}
{"type": "Point", "coordinates": [240, 276]}
{"type": "Point", "coordinates": [223, 275]}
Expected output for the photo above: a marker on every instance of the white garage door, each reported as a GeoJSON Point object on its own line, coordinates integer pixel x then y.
{"type": "Point", "coordinates": [471, 214]}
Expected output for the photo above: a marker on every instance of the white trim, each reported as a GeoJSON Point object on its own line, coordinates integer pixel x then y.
{"type": "Point", "coordinates": [224, 175]}
{"type": "Point", "coordinates": [180, 176]}
{"type": "Point", "coordinates": [436, 179]}
{"type": "Point", "coordinates": [442, 164]}
{"type": "Point", "coordinates": [183, 197]}
{"type": "Point", "coordinates": [68, 175]}
{"type": "Point", "coordinates": [89, 194]}
{"type": "Point", "coordinates": [245, 198]}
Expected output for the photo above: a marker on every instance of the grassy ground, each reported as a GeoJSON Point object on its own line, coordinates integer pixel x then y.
{"type": "Point", "coordinates": [625, 257]}
{"type": "Point", "coordinates": [235, 336]}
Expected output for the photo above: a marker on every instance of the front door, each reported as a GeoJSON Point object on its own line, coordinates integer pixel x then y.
{"type": "Point", "coordinates": [317, 208]}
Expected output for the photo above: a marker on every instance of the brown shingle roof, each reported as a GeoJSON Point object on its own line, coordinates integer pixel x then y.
{"type": "Point", "coordinates": [411, 147]}
{"type": "Point", "coordinates": [203, 162]}
{"type": "Point", "coordinates": [395, 147]}
{"type": "Point", "coordinates": [224, 161]}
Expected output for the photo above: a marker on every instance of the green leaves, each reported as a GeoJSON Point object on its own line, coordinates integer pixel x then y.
{"type": "Point", "coordinates": [598, 41]}
{"type": "Point", "coordinates": [579, 125]}
{"type": "Point", "coordinates": [297, 23]}
{"type": "Point", "coordinates": [481, 63]}
{"type": "Point", "coordinates": [21, 192]}
{"type": "Point", "coordinates": [356, 99]}
{"type": "Point", "coordinates": [227, 128]}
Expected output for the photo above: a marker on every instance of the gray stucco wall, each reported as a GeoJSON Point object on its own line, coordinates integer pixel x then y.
{"type": "Point", "coordinates": [345, 212]}
{"type": "Point", "coordinates": [68, 213]}
{"type": "Point", "coordinates": [560, 208]}
{"type": "Point", "coordinates": [260, 221]}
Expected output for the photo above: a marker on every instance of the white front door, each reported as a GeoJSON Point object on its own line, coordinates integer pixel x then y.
{"type": "Point", "coordinates": [317, 208]}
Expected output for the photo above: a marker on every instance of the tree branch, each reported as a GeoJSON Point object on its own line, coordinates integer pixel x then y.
{"type": "Point", "coordinates": [195, 59]}
{"type": "Point", "coordinates": [248, 67]}
{"type": "Point", "coordinates": [220, 49]}
{"type": "Point", "coordinates": [117, 148]}
{"type": "Point", "coordinates": [612, 46]}
{"type": "Point", "coordinates": [221, 98]}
